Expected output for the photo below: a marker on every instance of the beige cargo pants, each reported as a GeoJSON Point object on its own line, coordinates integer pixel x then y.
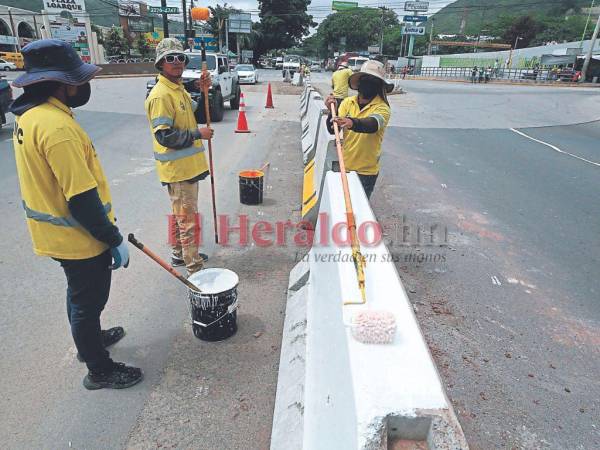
{"type": "Point", "coordinates": [185, 225]}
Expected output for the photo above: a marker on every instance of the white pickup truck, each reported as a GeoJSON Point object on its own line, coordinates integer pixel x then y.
{"type": "Point", "coordinates": [225, 85]}
{"type": "Point", "coordinates": [291, 63]}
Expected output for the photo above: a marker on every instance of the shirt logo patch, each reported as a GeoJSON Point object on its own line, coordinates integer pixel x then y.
{"type": "Point", "coordinates": [182, 105]}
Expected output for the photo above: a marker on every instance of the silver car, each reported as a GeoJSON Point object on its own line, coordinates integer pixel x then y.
{"type": "Point", "coordinates": [7, 65]}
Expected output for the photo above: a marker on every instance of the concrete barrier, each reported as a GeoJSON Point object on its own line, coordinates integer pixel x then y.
{"type": "Point", "coordinates": [354, 395]}
{"type": "Point", "coordinates": [128, 69]}
{"type": "Point", "coordinates": [310, 126]}
{"type": "Point", "coordinates": [324, 159]}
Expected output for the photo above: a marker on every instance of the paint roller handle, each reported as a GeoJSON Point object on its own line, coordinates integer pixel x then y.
{"type": "Point", "coordinates": [131, 238]}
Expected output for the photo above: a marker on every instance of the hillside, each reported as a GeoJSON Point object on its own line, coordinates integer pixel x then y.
{"type": "Point", "coordinates": [477, 13]}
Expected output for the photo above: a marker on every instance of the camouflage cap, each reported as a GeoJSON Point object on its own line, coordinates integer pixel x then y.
{"type": "Point", "coordinates": [168, 46]}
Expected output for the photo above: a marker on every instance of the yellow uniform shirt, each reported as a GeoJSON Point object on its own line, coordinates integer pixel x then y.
{"type": "Point", "coordinates": [339, 82]}
{"type": "Point", "coordinates": [56, 161]}
{"type": "Point", "coordinates": [169, 105]}
{"type": "Point", "coordinates": [363, 150]}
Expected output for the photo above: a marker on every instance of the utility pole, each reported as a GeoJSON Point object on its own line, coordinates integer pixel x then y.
{"type": "Point", "coordinates": [227, 36]}
{"type": "Point", "coordinates": [15, 32]}
{"type": "Point", "coordinates": [382, 22]}
{"type": "Point", "coordinates": [587, 22]}
{"type": "Point", "coordinates": [163, 3]}
{"type": "Point", "coordinates": [430, 36]}
{"type": "Point", "coordinates": [588, 58]}
{"type": "Point", "coordinates": [185, 28]}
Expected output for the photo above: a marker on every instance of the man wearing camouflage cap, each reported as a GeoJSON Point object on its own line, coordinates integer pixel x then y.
{"type": "Point", "coordinates": [178, 149]}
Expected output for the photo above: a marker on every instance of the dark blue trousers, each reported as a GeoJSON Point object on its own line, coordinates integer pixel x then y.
{"type": "Point", "coordinates": [88, 287]}
{"type": "Point", "coordinates": [368, 183]}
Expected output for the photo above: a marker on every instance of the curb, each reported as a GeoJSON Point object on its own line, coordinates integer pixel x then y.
{"type": "Point", "coordinates": [508, 83]}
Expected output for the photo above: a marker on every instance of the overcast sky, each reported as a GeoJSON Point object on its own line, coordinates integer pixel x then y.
{"type": "Point", "coordinates": [319, 9]}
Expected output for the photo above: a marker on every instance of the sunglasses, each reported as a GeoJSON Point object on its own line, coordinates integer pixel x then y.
{"type": "Point", "coordinates": [172, 58]}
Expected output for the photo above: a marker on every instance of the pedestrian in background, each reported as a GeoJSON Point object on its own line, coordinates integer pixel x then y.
{"type": "Point", "coordinates": [364, 118]}
{"type": "Point", "coordinates": [474, 74]}
{"type": "Point", "coordinates": [339, 82]}
{"type": "Point", "coordinates": [67, 200]}
{"type": "Point", "coordinates": [178, 150]}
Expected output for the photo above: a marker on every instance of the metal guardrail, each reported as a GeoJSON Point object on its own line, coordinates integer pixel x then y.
{"type": "Point", "coordinates": [466, 73]}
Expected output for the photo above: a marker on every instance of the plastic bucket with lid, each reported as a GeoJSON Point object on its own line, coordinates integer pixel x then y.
{"type": "Point", "coordinates": [251, 187]}
{"type": "Point", "coordinates": [214, 310]}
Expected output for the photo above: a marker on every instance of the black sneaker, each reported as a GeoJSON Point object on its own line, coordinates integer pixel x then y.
{"type": "Point", "coordinates": [120, 377]}
{"type": "Point", "coordinates": [109, 337]}
{"type": "Point", "coordinates": [179, 262]}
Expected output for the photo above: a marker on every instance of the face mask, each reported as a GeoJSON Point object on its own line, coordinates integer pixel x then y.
{"type": "Point", "coordinates": [81, 98]}
{"type": "Point", "coordinates": [367, 88]}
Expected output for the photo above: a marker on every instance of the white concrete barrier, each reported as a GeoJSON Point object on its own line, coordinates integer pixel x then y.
{"type": "Point", "coordinates": [310, 126]}
{"type": "Point", "coordinates": [324, 158]}
{"type": "Point", "coordinates": [354, 395]}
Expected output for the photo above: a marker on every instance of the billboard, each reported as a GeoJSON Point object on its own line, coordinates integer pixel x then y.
{"type": "Point", "coordinates": [140, 24]}
{"type": "Point", "coordinates": [129, 8]}
{"type": "Point", "coordinates": [240, 23]}
{"type": "Point", "coordinates": [67, 22]}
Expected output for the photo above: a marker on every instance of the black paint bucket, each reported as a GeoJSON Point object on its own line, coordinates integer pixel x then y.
{"type": "Point", "coordinates": [251, 187]}
{"type": "Point", "coordinates": [214, 310]}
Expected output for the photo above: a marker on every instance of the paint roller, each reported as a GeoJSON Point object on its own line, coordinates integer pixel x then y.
{"type": "Point", "coordinates": [368, 326]}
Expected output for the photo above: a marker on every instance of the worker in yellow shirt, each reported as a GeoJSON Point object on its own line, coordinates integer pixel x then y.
{"type": "Point", "coordinates": [339, 82]}
{"type": "Point", "coordinates": [364, 118]}
{"type": "Point", "coordinates": [67, 201]}
{"type": "Point", "coordinates": [178, 150]}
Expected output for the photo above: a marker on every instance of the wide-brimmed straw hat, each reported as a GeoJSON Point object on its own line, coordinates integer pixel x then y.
{"type": "Point", "coordinates": [168, 46]}
{"type": "Point", "coordinates": [370, 68]}
{"type": "Point", "coordinates": [54, 60]}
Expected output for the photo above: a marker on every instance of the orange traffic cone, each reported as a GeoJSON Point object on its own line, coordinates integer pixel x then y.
{"type": "Point", "coordinates": [269, 98]}
{"type": "Point", "coordinates": [242, 125]}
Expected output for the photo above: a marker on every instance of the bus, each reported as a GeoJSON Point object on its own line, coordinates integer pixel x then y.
{"type": "Point", "coordinates": [13, 57]}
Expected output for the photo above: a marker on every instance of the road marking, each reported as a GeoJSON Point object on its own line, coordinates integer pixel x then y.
{"type": "Point", "coordinates": [555, 148]}
{"type": "Point", "coordinates": [495, 281]}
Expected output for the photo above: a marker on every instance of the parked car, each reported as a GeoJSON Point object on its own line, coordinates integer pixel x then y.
{"type": "Point", "coordinates": [356, 62]}
{"type": "Point", "coordinates": [7, 65]}
{"type": "Point", "coordinates": [225, 86]}
{"type": "Point", "coordinates": [316, 68]}
{"type": "Point", "coordinates": [247, 74]}
{"type": "Point", "coordinates": [6, 98]}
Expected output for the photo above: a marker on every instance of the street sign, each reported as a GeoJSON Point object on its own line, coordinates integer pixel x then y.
{"type": "Point", "coordinates": [163, 9]}
{"type": "Point", "coordinates": [343, 6]}
{"type": "Point", "coordinates": [416, 6]}
{"type": "Point", "coordinates": [373, 48]}
{"type": "Point", "coordinates": [417, 19]}
{"type": "Point", "coordinates": [240, 23]}
{"type": "Point", "coordinates": [418, 31]}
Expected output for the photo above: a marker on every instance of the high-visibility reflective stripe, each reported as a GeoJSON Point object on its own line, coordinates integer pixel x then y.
{"type": "Point", "coordinates": [174, 155]}
{"type": "Point", "coordinates": [380, 120]}
{"type": "Point", "coordinates": [162, 121]}
{"type": "Point", "coordinates": [58, 221]}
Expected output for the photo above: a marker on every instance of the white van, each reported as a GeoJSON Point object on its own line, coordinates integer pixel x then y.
{"type": "Point", "coordinates": [356, 62]}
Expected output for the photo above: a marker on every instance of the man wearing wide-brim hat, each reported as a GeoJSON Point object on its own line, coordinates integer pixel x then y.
{"type": "Point", "coordinates": [178, 150]}
{"type": "Point", "coordinates": [67, 200]}
{"type": "Point", "coordinates": [364, 118]}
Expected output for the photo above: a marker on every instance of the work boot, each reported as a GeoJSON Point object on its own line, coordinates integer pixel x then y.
{"type": "Point", "coordinates": [109, 337]}
{"type": "Point", "coordinates": [119, 376]}
{"type": "Point", "coordinates": [179, 262]}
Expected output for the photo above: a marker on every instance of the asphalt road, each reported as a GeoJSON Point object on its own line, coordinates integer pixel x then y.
{"type": "Point", "coordinates": [44, 404]}
{"type": "Point", "coordinates": [510, 304]}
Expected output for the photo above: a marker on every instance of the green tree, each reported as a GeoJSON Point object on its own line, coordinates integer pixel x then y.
{"type": "Point", "coordinates": [218, 15]}
{"type": "Point", "coordinates": [115, 44]}
{"type": "Point", "coordinates": [525, 28]}
{"type": "Point", "coordinates": [360, 27]}
{"type": "Point", "coordinates": [142, 46]}
{"type": "Point", "coordinates": [282, 24]}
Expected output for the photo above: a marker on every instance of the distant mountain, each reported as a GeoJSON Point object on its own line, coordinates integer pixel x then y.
{"type": "Point", "coordinates": [470, 16]}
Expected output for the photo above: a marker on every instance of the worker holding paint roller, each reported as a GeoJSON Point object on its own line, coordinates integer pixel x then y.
{"type": "Point", "coordinates": [67, 200]}
{"type": "Point", "coordinates": [364, 118]}
{"type": "Point", "coordinates": [178, 150]}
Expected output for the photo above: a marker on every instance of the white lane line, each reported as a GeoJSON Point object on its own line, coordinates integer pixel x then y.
{"type": "Point", "coordinates": [495, 281]}
{"type": "Point", "coordinates": [555, 148]}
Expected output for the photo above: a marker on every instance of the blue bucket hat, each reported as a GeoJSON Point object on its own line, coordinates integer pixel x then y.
{"type": "Point", "coordinates": [54, 60]}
